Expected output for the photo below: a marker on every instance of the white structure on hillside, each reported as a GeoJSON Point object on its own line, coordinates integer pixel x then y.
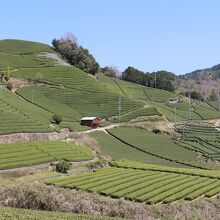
{"type": "Point", "coordinates": [173, 100]}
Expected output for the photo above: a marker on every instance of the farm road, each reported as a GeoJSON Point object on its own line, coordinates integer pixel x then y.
{"type": "Point", "coordinates": [102, 128]}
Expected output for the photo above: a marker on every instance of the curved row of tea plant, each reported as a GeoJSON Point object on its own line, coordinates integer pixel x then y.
{"type": "Point", "coordinates": [16, 115]}
{"type": "Point", "coordinates": [142, 185]}
{"type": "Point", "coordinates": [38, 152]}
{"type": "Point", "coordinates": [158, 145]}
{"type": "Point", "coordinates": [203, 139]}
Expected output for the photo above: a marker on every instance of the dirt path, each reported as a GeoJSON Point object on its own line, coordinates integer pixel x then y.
{"type": "Point", "coordinates": [102, 128]}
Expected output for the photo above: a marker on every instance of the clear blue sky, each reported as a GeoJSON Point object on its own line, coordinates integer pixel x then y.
{"type": "Point", "coordinates": [175, 35]}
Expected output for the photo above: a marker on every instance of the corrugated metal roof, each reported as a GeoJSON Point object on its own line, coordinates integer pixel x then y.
{"type": "Point", "coordinates": [88, 118]}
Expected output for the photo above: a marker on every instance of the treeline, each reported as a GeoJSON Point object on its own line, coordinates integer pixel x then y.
{"type": "Point", "coordinates": [160, 79]}
{"type": "Point", "coordinates": [75, 54]}
{"type": "Point", "coordinates": [79, 56]}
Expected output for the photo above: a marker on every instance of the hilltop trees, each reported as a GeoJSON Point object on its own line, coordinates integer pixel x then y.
{"type": "Point", "coordinates": [160, 79]}
{"type": "Point", "coordinates": [110, 71]}
{"type": "Point", "coordinates": [75, 54]}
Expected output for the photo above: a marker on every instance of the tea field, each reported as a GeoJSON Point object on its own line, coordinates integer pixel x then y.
{"type": "Point", "coordinates": [142, 185]}
{"type": "Point", "coordinates": [158, 145]}
{"type": "Point", "coordinates": [17, 115]}
{"type": "Point", "coordinates": [32, 153]}
{"type": "Point", "coordinates": [203, 139]}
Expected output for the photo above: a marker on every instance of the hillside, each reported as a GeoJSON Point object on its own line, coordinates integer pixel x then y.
{"type": "Point", "coordinates": [146, 150]}
{"type": "Point", "coordinates": [203, 81]}
{"type": "Point", "coordinates": [212, 73]}
{"type": "Point", "coordinates": [54, 87]}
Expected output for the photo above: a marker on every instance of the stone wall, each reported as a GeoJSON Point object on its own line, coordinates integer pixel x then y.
{"type": "Point", "coordinates": [26, 137]}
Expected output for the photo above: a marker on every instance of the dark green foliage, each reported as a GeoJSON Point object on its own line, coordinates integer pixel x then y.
{"type": "Point", "coordinates": [63, 166]}
{"type": "Point", "coordinates": [76, 55]}
{"type": "Point", "coordinates": [57, 119]}
{"type": "Point", "coordinates": [194, 95]}
{"type": "Point", "coordinates": [160, 79]}
{"type": "Point", "coordinates": [134, 75]}
{"type": "Point", "coordinates": [109, 71]}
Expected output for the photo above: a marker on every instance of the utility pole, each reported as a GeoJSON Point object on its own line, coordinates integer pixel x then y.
{"type": "Point", "coordinates": [119, 109]}
{"type": "Point", "coordinates": [155, 80]}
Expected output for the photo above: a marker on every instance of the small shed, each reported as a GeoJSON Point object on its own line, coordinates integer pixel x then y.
{"type": "Point", "coordinates": [173, 100]}
{"type": "Point", "coordinates": [90, 121]}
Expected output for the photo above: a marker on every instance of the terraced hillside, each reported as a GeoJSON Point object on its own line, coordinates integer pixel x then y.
{"type": "Point", "coordinates": [33, 153]}
{"type": "Point", "coordinates": [119, 150]}
{"type": "Point", "coordinates": [161, 146]}
{"type": "Point", "coordinates": [71, 93]}
{"type": "Point", "coordinates": [19, 116]}
{"type": "Point", "coordinates": [214, 104]}
{"type": "Point", "coordinates": [202, 139]}
{"type": "Point", "coordinates": [142, 185]}
{"type": "Point", "coordinates": [22, 54]}
{"type": "Point", "coordinates": [158, 98]}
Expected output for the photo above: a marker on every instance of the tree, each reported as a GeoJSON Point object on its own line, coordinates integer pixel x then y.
{"type": "Point", "coordinates": [75, 54]}
{"type": "Point", "coordinates": [110, 71]}
{"type": "Point", "coordinates": [164, 79]}
{"type": "Point", "coordinates": [57, 119]}
{"type": "Point", "coordinates": [63, 166]}
{"type": "Point", "coordinates": [213, 96]}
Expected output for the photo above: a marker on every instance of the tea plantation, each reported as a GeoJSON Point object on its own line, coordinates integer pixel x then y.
{"type": "Point", "coordinates": [203, 139]}
{"type": "Point", "coordinates": [142, 185]}
{"type": "Point", "coordinates": [149, 165]}
{"type": "Point", "coordinates": [32, 153]}
{"type": "Point", "coordinates": [19, 116]}
{"type": "Point", "coordinates": [158, 145]}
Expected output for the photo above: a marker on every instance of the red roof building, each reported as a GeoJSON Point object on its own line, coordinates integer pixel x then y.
{"type": "Point", "coordinates": [90, 121]}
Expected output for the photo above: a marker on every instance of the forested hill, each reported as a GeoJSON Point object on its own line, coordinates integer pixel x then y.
{"type": "Point", "coordinates": [212, 73]}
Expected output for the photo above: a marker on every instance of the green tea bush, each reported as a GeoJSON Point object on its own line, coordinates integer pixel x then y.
{"type": "Point", "coordinates": [63, 166]}
{"type": "Point", "coordinates": [57, 119]}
